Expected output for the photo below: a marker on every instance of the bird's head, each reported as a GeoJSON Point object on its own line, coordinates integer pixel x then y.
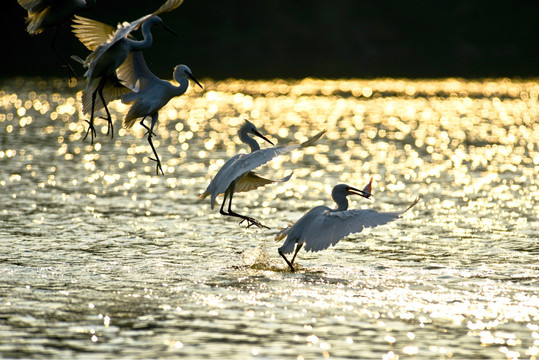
{"type": "Point", "coordinates": [249, 128]}
{"type": "Point", "coordinates": [157, 21]}
{"type": "Point", "coordinates": [184, 71]}
{"type": "Point", "coordinates": [343, 190]}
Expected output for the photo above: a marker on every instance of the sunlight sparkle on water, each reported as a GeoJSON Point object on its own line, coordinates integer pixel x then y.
{"type": "Point", "coordinates": [103, 252]}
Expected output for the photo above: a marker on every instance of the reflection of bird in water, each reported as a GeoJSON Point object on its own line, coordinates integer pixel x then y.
{"type": "Point", "coordinates": [236, 175]}
{"type": "Point", "coordinates": [322, 227]}
{"type": "Point", "coordinates": [48, 14]}
{"type": "Point", "coordinates": [110, 48]}
{"type": "Point", "coordinates": [150, 93]}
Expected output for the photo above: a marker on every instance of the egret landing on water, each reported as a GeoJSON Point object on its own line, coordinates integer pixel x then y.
{"type": "Point", "coordinates": [322, 227]}
{"type": "Point", "coordinates": [53, 14]}
{"type": "Point", "coordinates": [236, 175]}
{"type": "Point", "coordinates": [110, 48]}
{"type": "Point", "coordinates": [150, 93]}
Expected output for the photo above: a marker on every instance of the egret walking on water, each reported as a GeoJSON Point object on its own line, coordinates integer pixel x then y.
{"type": "Point", "coordinates": [53, 14]}
{"type": "Point", "coordinates": [236, 175]}
{"type": "Point", "coordinates": [110, 48]}
{"type": "Point", "coordinates": [150, 93]}
{"type": "Point", "coordinates": [322, 227]}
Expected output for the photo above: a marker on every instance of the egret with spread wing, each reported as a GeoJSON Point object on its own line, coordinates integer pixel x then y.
{"type": "Point", "coordinates": [150, 93]}
{"type": "Point", "coordinates": [49, 14]}
{"type": "Point", "coordinates": [110, 48]}
{"type": "Point", "coordinates": [236, 175]}
{"type": "Point", "coordinates": [322, 227]}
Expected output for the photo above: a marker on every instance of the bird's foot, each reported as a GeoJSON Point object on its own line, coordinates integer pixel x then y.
{"type": "Point", "coordinates": [110, 128]}
{"type": "Point", "coordinates": [91, 130]}
{"type": "Point", "coordinates": [250, 222]}
{"type": "Point", "coordinates": [158, 167]}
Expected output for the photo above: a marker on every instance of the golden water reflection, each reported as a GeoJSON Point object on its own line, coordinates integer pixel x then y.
{"type": "Point", "coordinates": [456, 278]}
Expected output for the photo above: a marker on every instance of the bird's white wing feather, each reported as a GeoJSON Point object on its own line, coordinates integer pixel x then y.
{"type": "Point", "coordinates": [244, 163]}
{"type": "Point", "coordinates": [134, 69]}
{"type": "Point", "coordinates": [34, 5]}
{"type": "Point", "coordinates": [168, 6]}
{"type": "Point", "coordinates": [252, 181]}
{"type": "Point", "coordinates": [321, 227]}
{"type": "Point", "coordinates": [329, 227]}
{"type": "Point", "coordinates": [91, 33]}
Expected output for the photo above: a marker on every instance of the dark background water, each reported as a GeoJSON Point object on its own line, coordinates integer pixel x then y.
{"type": "Point", "coordinates": [295, 39]}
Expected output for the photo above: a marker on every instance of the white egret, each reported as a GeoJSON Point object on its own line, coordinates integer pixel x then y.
{"type": "Point", "coordinates": [110, 48]}
{"type": "Point", "coordinates": [236, 174]}
{"type": "Point", "coordinates": [150, 93]}
{"type": "Point", "coordinates": [53, 14]}
{"type": "Point", "coordinates": [322, 227]}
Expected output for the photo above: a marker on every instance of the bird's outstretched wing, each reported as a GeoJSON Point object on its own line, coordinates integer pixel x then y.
{"type": "Point", "coordinates": [321, 228]}
{"type": "Point", "coordinates": [247, 162]}
{"type": "Point", "coordinates": [329, 227]}
{"type": "Point", "coordinates": [168, 6]}
{"type": "Point", "coordinates": [252, 181]}
{"type": "Point", "coordinates": [134, 72]}
{"type": "Point", "coordinates": [34, 5]}
{"type": "Point", "coordinates": [91, 33]}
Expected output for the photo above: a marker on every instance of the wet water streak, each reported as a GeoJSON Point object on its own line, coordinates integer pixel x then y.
{"type": "Point", "coordinates": [100, 256]}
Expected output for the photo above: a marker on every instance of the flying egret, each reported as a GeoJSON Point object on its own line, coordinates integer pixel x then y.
{"type": "Point", "coordinates": [49, 14]}
{"type": "Point", "coordinates": [150, 93]}
{"type": "Point", "coordinates": [322, 227]}
{"type": "Point", "coordinates": [110, 48]}
{"type": "Point", "coordinates": [236, 175]}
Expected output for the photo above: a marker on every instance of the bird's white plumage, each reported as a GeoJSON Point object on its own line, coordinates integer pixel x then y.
{"type": "Point", "coordinates": [91, 33]}
{"type": "Point", "coordinates": [240, 164]}
{"type": "Point", "coordinates": [322, 227]}
{"type": "Point", "coordinates": [44, 14]}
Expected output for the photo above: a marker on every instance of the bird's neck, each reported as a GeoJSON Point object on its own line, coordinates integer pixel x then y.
{"type": "Point", "coordinates": [147, 41]}
{"type": "Point", "coordinates": [184, 84]}
{"type": "Point", "coordinates": [253, 144]}
{"type": "Point", "coordinates": [342, 203]}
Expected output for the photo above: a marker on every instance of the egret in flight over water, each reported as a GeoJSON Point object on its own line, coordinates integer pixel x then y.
{"type": "Point", "coordinates": [236, 175]}
{"type": "Point", "coordinates": [150, 93]}
{"type": "Point", "coordinates": [322, 227]}
{"type": "Point", "coordinates": [49, 14]}
{"type": "Point", "coordinates": [110, 48]}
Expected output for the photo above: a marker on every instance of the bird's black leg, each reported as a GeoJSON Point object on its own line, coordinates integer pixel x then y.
{"type": "Point", "coordinates": [91, 128]}
{"type": "Point", "coordinates": [70, 70]}
{"type": "Point", "coordinates": [291, 263]}
{"type": "Point", "coordinates": [288, 262]}
{"type": "Point", "coordinates": [150, 132]}
{"type": "Point", "coordinates": [297, 250]}
{"type": "Point", "coordinates": [158, 168]}
{"type": "Point", "coordinates": [250, 221]}
{"type": "Point", "coordinates": [110, 128]}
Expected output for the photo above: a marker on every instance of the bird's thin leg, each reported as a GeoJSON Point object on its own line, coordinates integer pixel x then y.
{"type": "Point", "coordinates": [150, 132]}
{"type": "Point", "coordinates": [70, 70]}
{"type": "Point", "coordinates": [222, 211]}
{"type": "Point", "coordinates": [297, 250]}
{"type": "Point", "coordinates": [288, 262]}
{"type": "Point", "coordinates": [91, 128]}
{"type": "Point", "coordinates": [250, 221]}
{"type": "Point", "coordinates": [110, 128]}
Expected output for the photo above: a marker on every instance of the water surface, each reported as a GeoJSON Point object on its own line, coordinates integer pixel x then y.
{"type": "Point", "coordinates": [102, 258]}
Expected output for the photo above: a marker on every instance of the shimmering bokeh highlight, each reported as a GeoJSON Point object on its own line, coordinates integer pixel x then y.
{"type": "Point", "coordinates": [101, 256]}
